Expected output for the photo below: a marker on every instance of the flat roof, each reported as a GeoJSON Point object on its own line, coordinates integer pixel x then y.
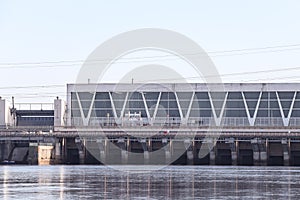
{"type": "Point", "coordinates": [181, 87]}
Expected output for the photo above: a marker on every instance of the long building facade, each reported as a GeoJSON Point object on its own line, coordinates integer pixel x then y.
{"type": "Point", "coordinates": [176, 123]}
{"type": "Point", "coordinates": [234, 105]}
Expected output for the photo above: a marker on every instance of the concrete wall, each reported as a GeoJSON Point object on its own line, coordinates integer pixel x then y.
{"type": "Point", "coordinates": [59, 112]}
{"type": "Point", "coordinates": [5, 118]}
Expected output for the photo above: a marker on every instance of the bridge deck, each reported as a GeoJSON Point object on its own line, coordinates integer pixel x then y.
{"type": "Point", "coordinates": [265, 132]}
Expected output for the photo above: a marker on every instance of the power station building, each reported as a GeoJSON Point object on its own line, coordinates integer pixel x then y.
{"type": "Point", "coordinates": [232, 123]}
{"type": "Point", "coordinates": [226, 105]}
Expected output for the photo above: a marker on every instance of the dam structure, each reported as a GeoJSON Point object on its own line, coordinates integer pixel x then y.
{"type": "Point", "coordinates": [157, 124]}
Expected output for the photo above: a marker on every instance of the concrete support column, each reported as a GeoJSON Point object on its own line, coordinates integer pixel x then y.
{"type": "Point", "coordinates": [285, 152]}
{"type": "Point", "coordinates": [146, 151]}
{"type": "Point", "coordinates": [212, 146]}
{"type": "Point", "coordinates": [168, 149]}
{"type": "Point", "coordinates": [255, 148]}
{"type": "Point", "coordinates": [1, 151]}
{"type": "Point", "coordinates": [260, 156]}
{"type": "Point", "coordinates": [212, 156]}
{"type": "Point", "coordinates": [81, 149]}
{"type": "Point", "coordinates": [124, 152]}
{"type": "Point", "coordinates": [58, 151]}
{"type": "Point", "coordinates": [233, 146]}
{"type": "Point", "coordinates": [44, 153]}
{"type": "Point", "coordinates": [8, 148]}
{"type": "Point", "coordinates": [64, 149]}
{"type": "Point", "coordinates": [189, 146]}
{"type": "Point", "coordinates": [263, 146]}
{"type": "Point", "coordinates": [128, 148]}
{"type": "Point", "coordinates": [102, 145]}
{"type": "Point", "coordinates": [32, 158]}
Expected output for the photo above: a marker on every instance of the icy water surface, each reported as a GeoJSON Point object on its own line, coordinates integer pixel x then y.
{"type": "Point", "coordinates": [173, 182]}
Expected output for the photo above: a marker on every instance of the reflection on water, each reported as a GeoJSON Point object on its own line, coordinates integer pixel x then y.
{"type": "Point", "coordinates": [174, 182]}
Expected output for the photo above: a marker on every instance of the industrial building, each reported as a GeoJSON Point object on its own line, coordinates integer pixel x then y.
{"type": "Point", "coordinates": [232, 123]}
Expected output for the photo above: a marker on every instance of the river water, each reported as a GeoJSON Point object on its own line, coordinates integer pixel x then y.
{"type": "Point", "coordinates": [173, 182]}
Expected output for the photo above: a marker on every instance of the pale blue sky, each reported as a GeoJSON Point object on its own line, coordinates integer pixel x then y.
{"type": "Point", "coordinates": [39, 31]}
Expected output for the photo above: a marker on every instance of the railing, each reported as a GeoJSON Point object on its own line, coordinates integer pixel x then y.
{"type": "Point", "coordinates": [34, 106]}
{"type": "Point", "coordinates": [191, 122]}
{"type": "Point", "coordinates": [200, 121]}
{"type": "Point", "coordinates": [294, 121]}
{"type": "Point", "coordinates": [267, 121]}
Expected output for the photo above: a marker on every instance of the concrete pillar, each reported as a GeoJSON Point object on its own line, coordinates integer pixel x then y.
{"type": "Point", "coordinates": [44, 154]}
{"type": "Point", "coordinates": [168, 149]}
{"type": "Point", "coordinates": [145, 150]}
{"type": "Point", "coordinates": [59, 112]}
{"type": "Point", "coordinates": [81, 157]}
{"type": "Point", "coordinates": [285, 152]}
{"type": "Point", "coordinates": [260, 156]}
{"type": "Point", "coordinates": [255, 148]}
{"type": "Point", "coordinates": [102, 145]}
{"type": "Point", "coordinates": [263, 146]}
{"type": "Point", "coordinates": [124, 152]}
{"type": "Point", "coordinates": [8, 148]}
{"type": "Point", "coordinates": [212, 156]}
{"type": "Point", "coordinates": [124, 156]}
{"type": "Point", "coordinates": [146, 144]}
{"type": "Point", "coordinates": [234, 150]}
{"type": "Point", "coordinates": [58, 155]}
{"type": "Point", "coordinates": [189, 146]}
{"type": "Point", "coordinates": [1, 151]}
{"type": "Point", "coordinates": [128, 148]}
{"type": "Point", "coordinates": [63, 150]}
{"type": "Point", "coordinates": [32, 158]}
{"type": "Point", "coordinates": [81, 149]}
{"type": "Point", "coordinates": [5, 116]}
{"type": "Point", "coordinates": [212, 145]}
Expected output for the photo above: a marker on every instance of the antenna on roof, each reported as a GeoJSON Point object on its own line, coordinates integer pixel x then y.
{"type": "Point", "coordinates": [13, 102]}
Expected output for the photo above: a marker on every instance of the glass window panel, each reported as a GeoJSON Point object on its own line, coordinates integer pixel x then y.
{"type": "Point", "coordinates": [235, 113]}
{"type": "Point", "coordinates": [85, 95]}
{"type": "Point", "coordinates": [286, 95]}
{"type": "Point", "coordinates": [286, 104]}
{"type": "Point", "coordinates": [151, 95]}
{"type": "Point", "coordinates": [297, 104]}
{"type": "Point", "coordinates": [251, 95]}
{"type": "Point", "coordinates": [201, 96]}
{"type": "Point", "coordinates": [184, 95]}
{"type": "Point", "coordinates": [296, 113]}
{"type": "Point", "coordinates": [218, 96]}
{"type": "Point", "coordinates": [102, 104]}
{"type": "Point", "coordinates": [251, 104]}
{"type": "Point", "coordinates": [234, 95]}
{"type": "Point", "coordinates": [102, 95]}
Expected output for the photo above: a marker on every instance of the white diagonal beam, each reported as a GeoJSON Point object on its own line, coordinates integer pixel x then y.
{"type": "Point", "coordinates": [146, 106]}
{"type": "Point", "coordinates": [179, 106]}
{"type": "Point", "coordinates": [124, 105]}
{"type": "Point", "coordinates": [86, 120]}
{"type": "Point", "coordinates": [156, 107]}
{"type": "Point", "coordinates": [218, 119]}
{"type": "Point", "coordinates": [252, 119]}
{"type": "Point", "coordinates": [190, 107]}
{"type": "Point", "coordinates": [286, 120]}
{"type": "Point", "coordinates": [113, 105]}
{"type": "Point", "coordinates": [292, 106]}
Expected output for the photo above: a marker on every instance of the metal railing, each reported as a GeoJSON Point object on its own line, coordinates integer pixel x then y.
{"type": "Point", "coordinates": [269, 121]}
{"type": "Point", "coordinates": [191, 122]}
{"type": "Point", "coordinates": [34, 106]}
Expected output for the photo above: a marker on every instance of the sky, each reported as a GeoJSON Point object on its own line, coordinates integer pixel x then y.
{"type": "Point", "coordinates": [39, 32]}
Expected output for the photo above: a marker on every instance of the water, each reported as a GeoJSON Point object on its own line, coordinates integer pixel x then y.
{"type": "Point", "coordinates": [173, 182]}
